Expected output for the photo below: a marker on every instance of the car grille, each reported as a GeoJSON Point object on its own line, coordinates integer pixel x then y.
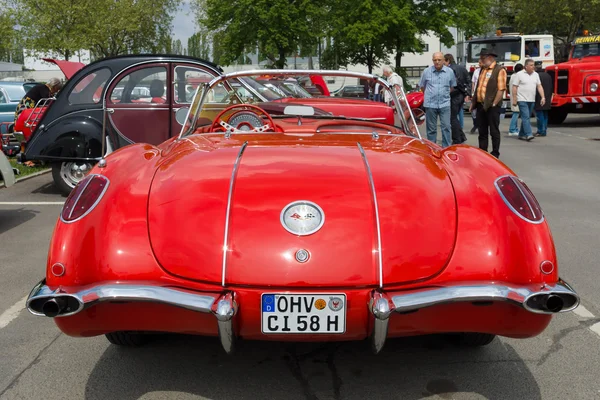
{"type": "Point", "coordinates": [552, 76]}
{"type": "Point", "coordinates": [562, 86]}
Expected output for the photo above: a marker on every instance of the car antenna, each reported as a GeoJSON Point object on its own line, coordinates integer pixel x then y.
{"type": "Point", "coordinates": [102, 162]}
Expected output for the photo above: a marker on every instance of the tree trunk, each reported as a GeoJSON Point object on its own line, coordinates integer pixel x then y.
{"type": "Point", "coordinates": [281, 60]}
{"type": "Point", "coordinates": [67, 55]}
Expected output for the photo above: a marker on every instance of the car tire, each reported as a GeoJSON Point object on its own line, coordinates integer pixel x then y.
{"type": "Point", "coordinates": [470, 339]}
{"type": "Point", "coordinates": [68, 174]}
{"type": "Point", "coordinates": [127, 339]}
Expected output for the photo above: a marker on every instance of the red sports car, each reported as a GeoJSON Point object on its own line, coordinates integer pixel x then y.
{"type": "Point", "coordinates": [300, 226]}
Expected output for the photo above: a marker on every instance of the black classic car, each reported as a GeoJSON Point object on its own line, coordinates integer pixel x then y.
{"type": "Point", "coordinates": [133, 98]}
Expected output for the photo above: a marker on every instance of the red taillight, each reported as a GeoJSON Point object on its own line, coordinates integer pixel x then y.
{"type": "Point", "coordinates": [519, 198]}
{"type": "Point", "coordinates": [84, 197]}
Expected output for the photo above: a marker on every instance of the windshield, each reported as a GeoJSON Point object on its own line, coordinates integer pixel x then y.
{"type": "Point", "coordinates": [239, 103]}
{"type": "Point", "coordinates": [586, 50]}
{"type": "Point", "coordinates": [507, 50]}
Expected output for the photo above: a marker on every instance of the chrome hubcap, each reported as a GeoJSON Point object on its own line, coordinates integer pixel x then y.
{"type": "Point", "coordinates": [72, 172]}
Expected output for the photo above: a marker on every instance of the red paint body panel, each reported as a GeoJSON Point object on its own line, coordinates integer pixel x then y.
{"type": "Point", "coordinates": [69, 68]}
{"type": "Point", "coordinates": [581, 72]}
{"type": "Point", "coordinates": [348, 107]}
{"type": "Point", "coordinates": [162, 222]}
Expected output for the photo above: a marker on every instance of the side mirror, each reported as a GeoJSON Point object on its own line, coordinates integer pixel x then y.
{"type": "Point", "coordinates": [181, 114]}
{"type": "Point", "coordinates": [419, 116]}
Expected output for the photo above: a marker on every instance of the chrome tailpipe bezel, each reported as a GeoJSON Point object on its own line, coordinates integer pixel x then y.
{"type": "Point", "coordinates": [553, 299]}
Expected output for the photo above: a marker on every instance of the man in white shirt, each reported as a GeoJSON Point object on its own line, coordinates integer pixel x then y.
{"type": "Point", "coordinates": [393, 79]}
{"type": "Point", "coordinates": [523, 94]}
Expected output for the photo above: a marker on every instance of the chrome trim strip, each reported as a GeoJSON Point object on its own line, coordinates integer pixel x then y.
{"type": "Point", "coordinates": [141, 108]}
{"type": "Point", "coordinates": [510, 205]}
{"type": "Point", "coordinates": [231, 184]}
{"type": "Point", "coordinates": [121, 292]}
{"type": "Point", "coordinates": [374, 196]}
{"type": "Point", "coordinates": [412, 300]}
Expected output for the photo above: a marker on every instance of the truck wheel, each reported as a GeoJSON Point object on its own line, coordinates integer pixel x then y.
{"type": "Point", "coordinates": [68, 174]}
{"type": "Point", "coordinates": [557, 116]}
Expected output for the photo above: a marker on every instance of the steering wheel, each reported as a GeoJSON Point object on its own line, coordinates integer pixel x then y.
{"type": "Point", "coordinates": [249, 109]}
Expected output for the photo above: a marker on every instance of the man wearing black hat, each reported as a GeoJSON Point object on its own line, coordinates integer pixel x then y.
{"type": "Point", "coordinates": [541, 111]}
{"type": "Point", "coordinates": [487, 100]}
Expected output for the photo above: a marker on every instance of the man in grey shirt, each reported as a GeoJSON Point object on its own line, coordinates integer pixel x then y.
{"type": "Point", "coordinates": [437, 82]}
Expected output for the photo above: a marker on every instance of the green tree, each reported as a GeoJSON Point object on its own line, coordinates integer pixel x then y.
{"type": "Point", "coordinates": [177, 47]}
{"type": "Point", "coordinates": [106, 27]}
{"type": "Point", "coordinates": [277, 27]}
{"type": "Point", "coordinates": [53, 25]}
{"type": "Point", "coordinates": [199, 46]}
{"type": "Point", "coordinates": [129, 26]}
{"type": "Point", "coordinates": [11, 47]}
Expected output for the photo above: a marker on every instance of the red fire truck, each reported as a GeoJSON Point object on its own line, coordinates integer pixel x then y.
{"type": "Point", "coordinates": [577, 81]}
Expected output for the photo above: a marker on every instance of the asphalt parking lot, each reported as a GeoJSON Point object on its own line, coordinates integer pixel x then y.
{"type": "Point", "coordinates": [37, 361]}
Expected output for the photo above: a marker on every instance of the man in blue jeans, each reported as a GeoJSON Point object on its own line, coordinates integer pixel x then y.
{"type": "Point", "coordinates": [437, 82]}
{"type": "Point", "coordinates": [523, 94]}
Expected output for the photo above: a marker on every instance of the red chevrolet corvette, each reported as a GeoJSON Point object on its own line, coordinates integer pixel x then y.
{"type": "Point", "coordinates": [300, 226]}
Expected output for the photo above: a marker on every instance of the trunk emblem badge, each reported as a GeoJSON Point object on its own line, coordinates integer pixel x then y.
{"type": "Point", "coordinates": [302, 256]}
{"type": "Point", "coordinates": [302, 218]}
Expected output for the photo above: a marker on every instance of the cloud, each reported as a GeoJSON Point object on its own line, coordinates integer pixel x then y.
{"type": "Point", "coordinates": [184, 24]}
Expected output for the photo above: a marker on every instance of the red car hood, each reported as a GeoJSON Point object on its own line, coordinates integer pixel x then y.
{"type": "Point", "coordinates": [188, 208]}
{"type": "Point", "coordinates": [69, 68]}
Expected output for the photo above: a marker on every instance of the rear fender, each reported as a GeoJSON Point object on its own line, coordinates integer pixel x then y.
{"type": "Point", "coordinates": [493, 243]}
{"type": "Point", "coordinates": [110, 242]}
{"type": "Point", "coordinates": [73, 139]}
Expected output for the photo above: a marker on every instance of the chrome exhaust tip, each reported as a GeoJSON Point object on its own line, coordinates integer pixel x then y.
{"type": "Point", "coordinates": [54, 306]}
{"type": "Point", "coordinates": [551, 303]}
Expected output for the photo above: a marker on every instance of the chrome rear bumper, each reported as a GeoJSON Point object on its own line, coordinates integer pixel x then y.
{"type": "Point", "coordinates": [535, 298]}
{"type": "Point", "coordinates": [58, 303]}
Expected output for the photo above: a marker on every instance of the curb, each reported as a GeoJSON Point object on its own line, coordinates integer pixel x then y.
{"type": "Point", "coordinates": [24, 178]}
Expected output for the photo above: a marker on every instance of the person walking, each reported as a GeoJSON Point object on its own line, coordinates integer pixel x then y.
{"type": "Point", "coordinates": [437, 82]}
{"type": "Point", "coordinates": [457, 97]}
{"type": "Point", "coordinates": [541, 111]}
{"type": "Point", "coordinates": [523, 94]}
{"type": "Point", "coordinates": [487, 101]}
{"type": "Point", "coordinates": [513, 129]}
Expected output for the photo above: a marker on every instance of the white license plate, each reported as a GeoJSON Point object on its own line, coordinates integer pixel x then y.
{"type": "Point", "coordinates": [505, 104]}
{"type": "Point", "coordinates": [303, 313]}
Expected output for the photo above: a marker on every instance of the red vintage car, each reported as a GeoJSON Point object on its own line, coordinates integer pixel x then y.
{"type": "Point", "coordinates": [300, 226]}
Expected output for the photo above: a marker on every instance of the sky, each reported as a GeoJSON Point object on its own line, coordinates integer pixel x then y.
{"type": "Point", "coordinates": [183, 23]}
